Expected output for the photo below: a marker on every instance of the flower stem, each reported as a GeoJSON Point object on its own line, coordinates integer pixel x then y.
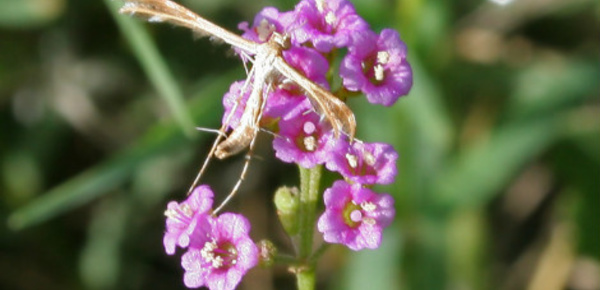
{"type": "Point", "coordinates": [309, 192]}
{"type": "Point", "coordinates": [318, 253]}
{"type": "Point", "coordinates": [285, 260]}
{"type": "Point", "coordinates": [309, 195]}
{"type": "Point", "coordinates": [305, 279]}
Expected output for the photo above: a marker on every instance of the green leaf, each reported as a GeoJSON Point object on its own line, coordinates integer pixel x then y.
{"type": "Point", "coordinates": [483, 170]}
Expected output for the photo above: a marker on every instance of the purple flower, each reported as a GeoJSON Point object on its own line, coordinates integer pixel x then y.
{"type": "Point", "coordinates": [365, 163]}
{"type": "Point", "coordinates": [377, 66]}
{"type": "Point", "coordinates": [355, 216]}
{"type": "Point", "coordinates": [220, 253]}
{"type": "Point", "coordinates": [327, 24]}
{"type": "Point", "coordinates": [266, 22]}
{"type": "Point", "coordinates": [285, 103]}
{"type": "Point", "coordinates": [181, 217]}
{"type": "Point", "coordinates": [309, 62]}
{"type": "Point", "coordinates": [234, 99]}
{"type": "Point", "coordinates": [288, 99]}
{"type": "Point", "coordinates": [304, 140]}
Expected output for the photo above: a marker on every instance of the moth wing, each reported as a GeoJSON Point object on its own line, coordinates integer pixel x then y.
{"type": "Point", "coordinates": [171, 12]}
{"type": "Point", "coordinates": [337, 112]}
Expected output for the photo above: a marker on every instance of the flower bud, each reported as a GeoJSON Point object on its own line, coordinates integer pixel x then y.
{"type": "Point", "coordinates": [266, 253]}
{"type": "Point", "coordinates": [286, 202]}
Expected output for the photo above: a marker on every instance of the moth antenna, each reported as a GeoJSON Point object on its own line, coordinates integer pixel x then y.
{"type": "Point", "coordinates": [269, 132]}
{"type": "Point", "coordinates": [312, 110]}
{"type": "Point", "coordinates": [358, 140]}
{"type": "Point", "coordinates": [257, 157]}
{"type": "Point", "coordinates": [246, 57]}
{"type": "Point", "coordinates": [210, 130]}
{"type": "Point", "coordinates": [321, 116]}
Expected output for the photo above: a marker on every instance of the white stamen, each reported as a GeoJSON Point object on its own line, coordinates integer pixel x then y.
{"type": "Point", "coordinates": [207, 250]}
{"type": "Point", "coordinates": [185, 209]}
{"type": "Point", "coordinates": [368, 206]}
{"type": "Point", "coordinates": [207, 253]}
{"type": "Point", "coordinates": [320, 5]}
{"type": "Point", "coordinates": [330, 18]}
{"type": "Point", "coordinates": [379, 75]}
{"type": "Point", "coordinates": [233, 253]}
{"type": "Point", "coordinates": [310, 143]}
{"type": "Point", "coordinates": [369, 221]}
{"type": "Point", "coordinates": [217, 262]}
{"type": "Point", "coordinates": [352, 160]}
{"type": "Point", "coordinates": [383, 57]}
{"type": "Point", "coordinates": [264, 30]}
{"type": "Point", "coordinates": [170, 213]}
{"type": "Point", "coordinates": [369, 158]}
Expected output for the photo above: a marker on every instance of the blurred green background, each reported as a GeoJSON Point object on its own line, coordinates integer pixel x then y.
{"type": "Point", "coordinates": [499, 184]}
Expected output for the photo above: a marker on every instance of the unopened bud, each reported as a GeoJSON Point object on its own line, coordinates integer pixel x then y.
{"type": "Point", "coordinates": [266, 253]}
{"type": "Point", "coordinates": [286, 202]}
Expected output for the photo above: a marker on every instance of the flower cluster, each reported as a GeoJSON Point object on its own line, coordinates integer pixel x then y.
{"type": "Point", "coordinates": [376, 66]}
{"type": "Point", "coordinates": [219, 249]}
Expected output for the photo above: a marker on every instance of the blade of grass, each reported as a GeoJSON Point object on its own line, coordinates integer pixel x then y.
{"type": "Point", "coordinates": [535, 119]}
{"type": "Point", "coordinates": [105, 177]}
{"type": "Point", "coordinates": [153, 65]}
{"type": "Point", "coordinates": [95, 182]}
{"type": "Point", "coordinates": [479, 173]}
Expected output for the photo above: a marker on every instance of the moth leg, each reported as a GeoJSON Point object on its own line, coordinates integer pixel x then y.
{"type": "Point", "coordinates": [222, 135]}
{"type": "Point", "coordinates": [267, 131]}
{"type": "Point", "coordinates": [246, 57]}
{"type": "Point", "coordinates": [248, 156]}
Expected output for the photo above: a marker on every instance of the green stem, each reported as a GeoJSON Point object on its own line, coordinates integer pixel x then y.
{"type": "Point", "coordinates": [305, 279]}
{"type": "Point", "coordinates": [309, 193]}
{"type": "Point", "coordinates": [318, 253]}
{"type": "Point", "coordinates": [285, 260]}
{"type": "Point", "coordinates": [309, 196]}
